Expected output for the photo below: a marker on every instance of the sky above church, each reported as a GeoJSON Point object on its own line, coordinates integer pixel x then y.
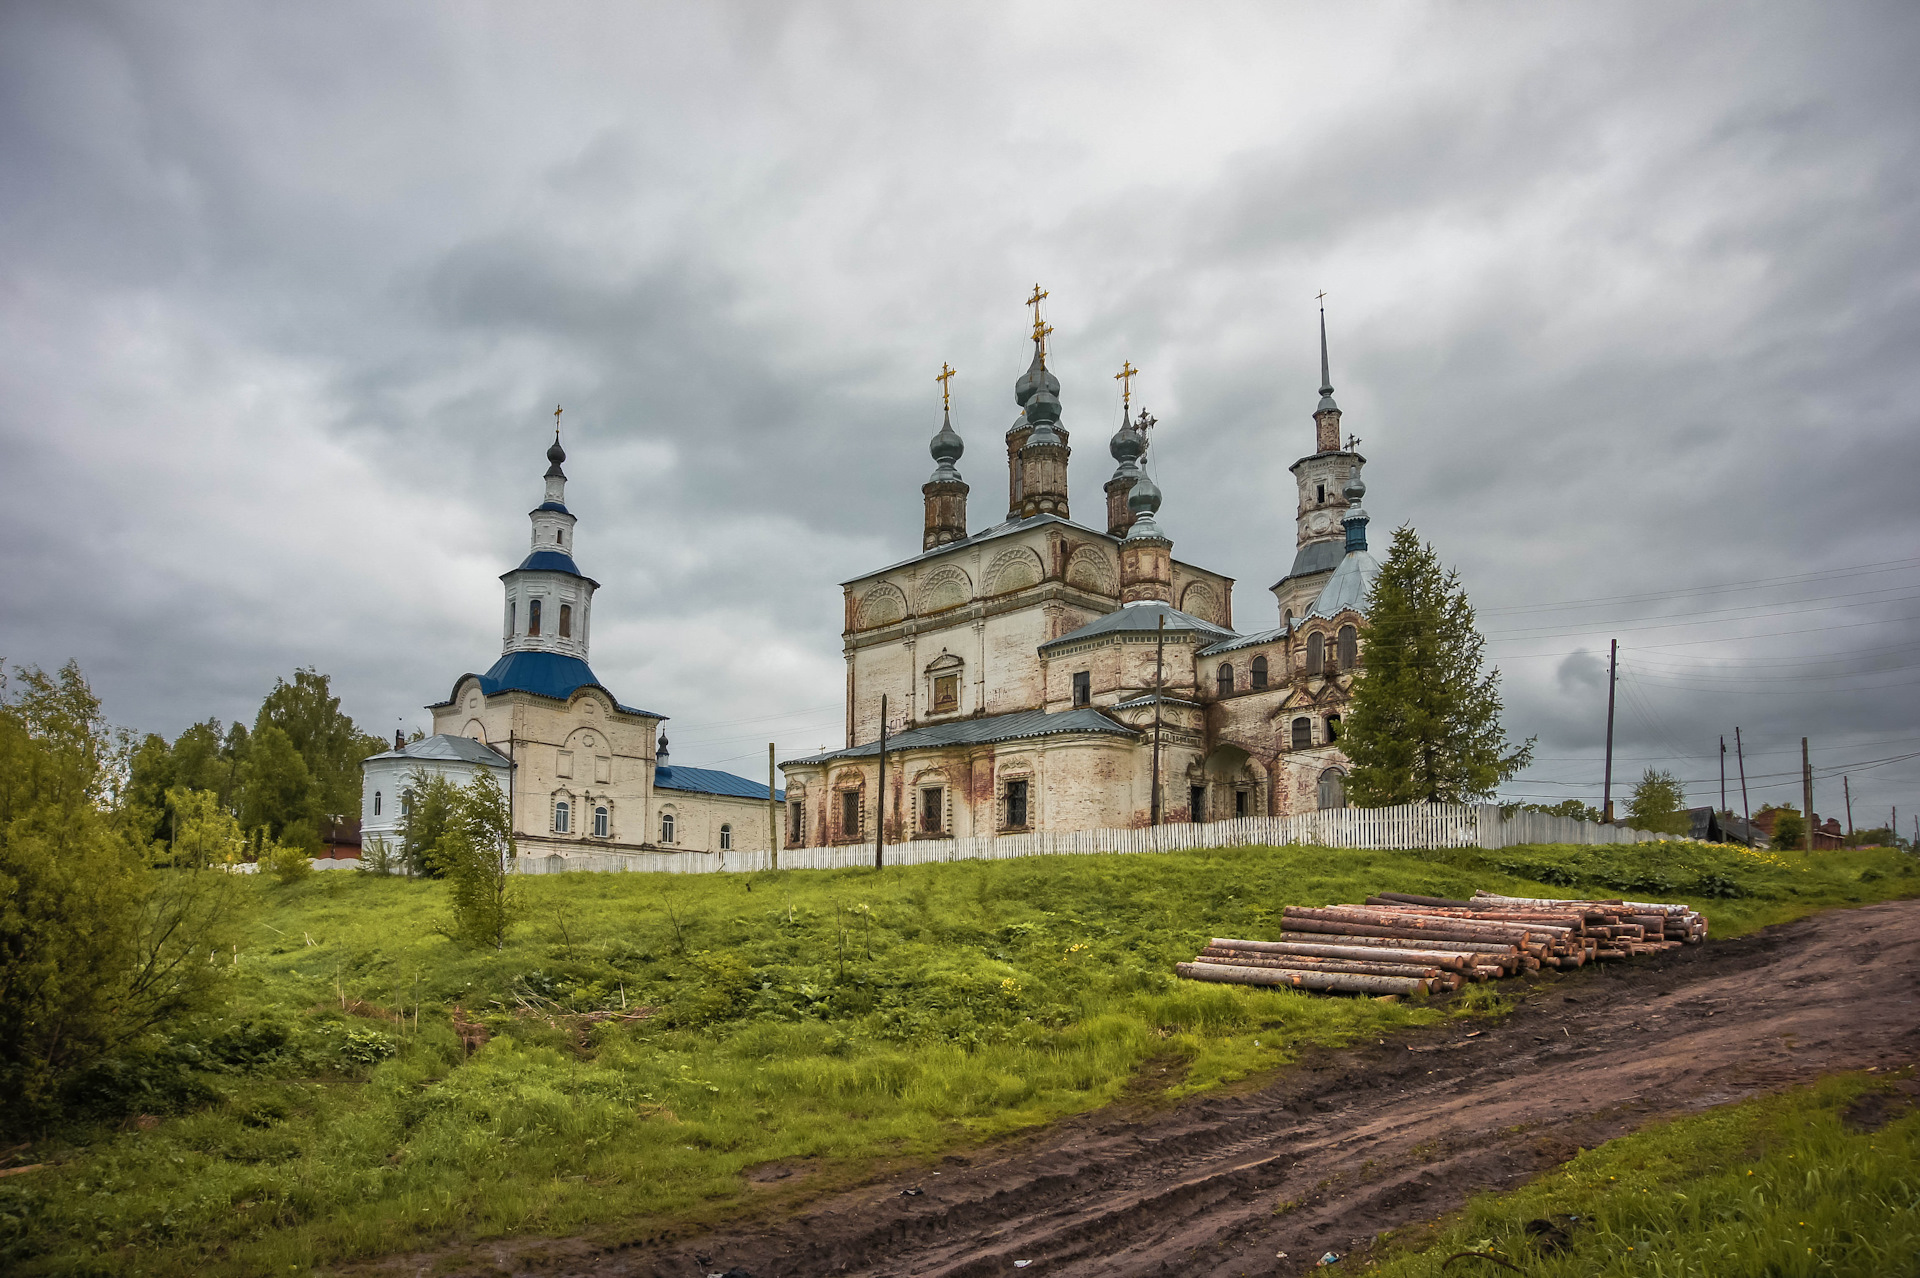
{"type": "Point", "coordinates": [1624, 303]}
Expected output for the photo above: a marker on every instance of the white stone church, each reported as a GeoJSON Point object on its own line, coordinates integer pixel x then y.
{"type": "Point", "coordinates": [583, 772]}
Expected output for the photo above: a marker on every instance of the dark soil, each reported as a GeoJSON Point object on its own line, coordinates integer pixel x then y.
{"type": "Point", "coordinates": [1343, 1145]}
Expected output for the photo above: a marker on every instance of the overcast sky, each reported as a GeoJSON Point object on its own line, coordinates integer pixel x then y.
{"type": "Point", "coordinates": [1624, 303]}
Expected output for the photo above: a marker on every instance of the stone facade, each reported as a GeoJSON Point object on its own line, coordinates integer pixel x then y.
{"type": "Point", "coordinates": [1038, 674]}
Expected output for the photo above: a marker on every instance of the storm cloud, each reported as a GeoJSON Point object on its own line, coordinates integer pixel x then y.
{"type": "Point", "coordinates": [1623, 304]}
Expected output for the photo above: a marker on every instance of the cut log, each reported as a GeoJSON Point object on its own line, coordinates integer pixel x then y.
{"type": "Point", "coordinates": [1294, 962]}
{"type": "Point", "coordinates": [1449, 959]}
{"type": "Point", "coordinates": [1339, 982]}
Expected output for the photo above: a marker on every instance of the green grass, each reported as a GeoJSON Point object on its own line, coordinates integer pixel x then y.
{"type": "Point", "coordinates": [1780, 1186]}
{"type": "Point", "coordinates": [831, 1021]}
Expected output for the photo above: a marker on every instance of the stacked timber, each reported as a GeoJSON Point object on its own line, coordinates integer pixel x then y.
{"type": "Point", "coordinates": [1401, 944]}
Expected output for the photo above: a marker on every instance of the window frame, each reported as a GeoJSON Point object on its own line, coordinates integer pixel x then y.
{"type": "Point", "coordinates": [669, 828]}
{"type": "Point", "coordinates": [1347, 644]}
{"type": "Point", "coordinates": [533, 618]}
{"type": "Point", "coordinates": [1302, 727]}
{"type": "Point", "coordinates": [726, 837]}
{"type": "Point", "coordinates": [602, 821]}
{"type": "Point", "coordinates": [1082, 688]}
{"type": "Point", "coordinates": [1257, 672]}
{"type": "Point", "coordinates": [1223, 680]}
{"type": "Point", "coordinates": [933, 804]}
{"type": "Point", "coordinates": [566, 621]}
{"type": "Point", "coordinates": [562, 816]}
{"type": "Point", "coordinates": [1009, 787]}
{"type": "Point", "coordinates": [850, 805]}
{"type": "Point", "coordinates": [1316, 653]}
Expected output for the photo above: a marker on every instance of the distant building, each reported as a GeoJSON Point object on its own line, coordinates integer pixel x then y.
{"type": "Point", "coordinates": [1042, 673]}
{"type": "Point", "coordinates": [581, 770]}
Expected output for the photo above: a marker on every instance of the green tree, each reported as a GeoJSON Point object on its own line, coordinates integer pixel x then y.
{"type": "Point", "coordinates": [428, 810]}
{"type": "Point", "coordinates": [204, 834]}
{"type": "Point", "coordinates": [329, 742]}
{"type": "Point", "coordinates": [1566, 808]}
{"type": "Point", "coordinates": [1789, 830]}
{"type": "Point", "coordinates": [475, 855]}
{"type": "Point", "coordinates": [95, 947]}
{"type": "Point", "coordinates": [276, 790]}
{"type": "Point", "coordinates": [1425, 721]}
{"type": "Point", "coordinates": [1658, 804]}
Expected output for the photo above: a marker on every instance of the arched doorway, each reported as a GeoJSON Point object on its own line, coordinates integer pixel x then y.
{"type": "Point", "coordinates": [1332, 789]}
{"type": "Point", "coordinates": [1231, 784]}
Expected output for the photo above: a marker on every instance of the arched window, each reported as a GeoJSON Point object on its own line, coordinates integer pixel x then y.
{"type": "Point", "coordinates": [600, 822]}
{"type": "Point", "coordinates": [726, 838]}
{"type": "Point", "coordinates": [1259, 672]}
{"type": "Point", "coordinates": [1302, 733]}
{"type": "Point", "coordinates": [1319, 492]}
{"type": "Point", "coordinates": [1225, 679]}
{"type": "Point", "coordinates": [566, 621]}
{"type": "Point", "coordinates": [1316, 653]}
{"type": "Point", "coordinates": [1349, 646]}
{"type": "Point", "coordinates": [533, 616]}
{"type": "Point", "coordinates": [1286, 619]}
{"type": "Point", "coordinates": [556, 536]}
{"type": "Point", "coordinates": [513, 614]}
{"type": "Point", "coordinates": [666, 827]}
{"type": "Point", "coordinates": [1333, 727]}
{"type": "Point", "coordinates": [1333, 789]}
{"type": "Point", "coordinates": [562, 817]}
{"type": "Point", "coordinates": [376, 803]}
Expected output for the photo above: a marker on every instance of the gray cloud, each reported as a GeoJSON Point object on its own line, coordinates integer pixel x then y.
{"type": "Point", "coordinates": [1622, 306]}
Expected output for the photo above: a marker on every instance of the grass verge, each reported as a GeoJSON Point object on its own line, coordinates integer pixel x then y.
{"type": "Point", "coordinates": [824, 1021]}
{"type": "Point", "coordinates": [1821, 1181]}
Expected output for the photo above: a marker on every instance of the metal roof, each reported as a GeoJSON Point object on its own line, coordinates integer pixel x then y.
{"type": "Point", "coordinates": [1348, 587]}
{"type": "Point", "coordinates": [1315, 556]}
{"type": "Point", "coordinates": [1136, 617]}
{"type": "Point", "coordinates": [1134, 703]}
{"type": "Point", "coordinates": [1244, 641]}
{"type": "Point", "coordinates": [712, 781]}
{"type": "Point", "coordinates": [550, 561]}
{"type": "Point", "coordinates": [544, 674]}
{"type": "Point", "coordinates": [1006, 529]}
{"type": "Point", "coordinates": [446, 748]}
{"type": "Point", "coordinates": [553, 505]}
{"type": "Point", "coordinates": [1017, 726]}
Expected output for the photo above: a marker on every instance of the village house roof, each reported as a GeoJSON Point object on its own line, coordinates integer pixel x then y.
{"type": "Point", "coordinates": [712, 781]}
{"type": "Point", "coordinates": [446, 748]}
{"type": "Point", "coordinates": [1018, 726]}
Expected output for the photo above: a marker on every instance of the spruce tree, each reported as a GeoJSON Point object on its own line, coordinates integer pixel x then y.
{"type": "Point", "coordinates": [1425, 721]}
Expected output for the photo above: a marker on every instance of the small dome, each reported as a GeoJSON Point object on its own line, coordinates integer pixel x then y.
{"type": "Point", "coordinates": [1356, 487]}
{"type": "Point", "coordinates": [947, 445]}
{"type": "Point", "coordinates": [1037, 377]}
{"type": "Point", "coordinates": [1127, 444]}
{"type": "Point", "coordinates": [556, 453]}
{"type": "Point", "coordinates": [1144, 499]}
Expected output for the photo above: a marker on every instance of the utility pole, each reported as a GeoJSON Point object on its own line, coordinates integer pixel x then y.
{"type": "Point", "coordinates": [1723, 773]}
{"type": "Point", "coordinates": [1746, 812]}
{"type": "Point", "coordinates": [880, 825]}
{"type": "Point", "coordinates": [1846, 789]}
{"type": "Point", "coordinates": [1159, 683]}
{"type": "Point", "coordinates": [1606, 786]}
{"type": "Point", "coordinates": [773, 811]}
{"type": "Point", "coordinates": [1806, 789]}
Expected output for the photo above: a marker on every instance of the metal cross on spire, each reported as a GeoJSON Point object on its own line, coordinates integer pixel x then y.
{"type": "Point", "coordinates": [946, 376]}
{"type": "Point", "coordinates": [1125, 377]}
{"type": "Point", "coordinates": [1040, 327]}
{"type": "Point", "coordinates": [556, 423]}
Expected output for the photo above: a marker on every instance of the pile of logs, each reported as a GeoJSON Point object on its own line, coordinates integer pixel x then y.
{"type": "Point", "coordinates": [1401, 944]}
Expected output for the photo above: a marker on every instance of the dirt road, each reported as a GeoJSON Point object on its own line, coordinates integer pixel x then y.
{"type": "Point", "coordinates": [1365, 1139]}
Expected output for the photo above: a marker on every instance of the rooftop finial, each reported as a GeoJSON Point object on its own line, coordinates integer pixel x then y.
{"type": "Point", "coordinates": [945, 376]}
{"type": "Point", "coordinates": [947, 445]}
{"type": "Point", "coordinates": [1125, 377]}
{"type": "Point", "coordinates": [1326, 375]}
{"type": "Point", "coordinates": [1040, 327]}
{"type": "Point", "coordinates": [555, 453]}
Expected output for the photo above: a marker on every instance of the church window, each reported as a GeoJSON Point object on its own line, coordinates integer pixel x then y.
{"type": "Point", "coordinates": [666, 827]}
{"type": "Point", "coordinates": [600, 822]}
{"type": "Point", "coordinates": [1196, 802]}
{"type": "Point", "coordinates": [1333, 727]}
{"type": "Point", "coordinates": [513, 614]}
{"type": "Point", "coordinates": [726, 838]}
{"type": "Point", "coordinates": [946, 693]}
{"type": "Point", "coordinates": [376, 803]}
{"type": "Point", "coordinates": [1286, 618]}
{"type": "Point", "coordinates": [1240, 798]}
{"type": "Point", "coordinates": [933, 804]}
{"type": "Point", "coordinates": [562, 817]}
{"type": "Point", "coordinates": [1016, 804]}
{"type": "Point", "coordinates": [1316, 653]}
{"type": "Point", "coordinates": [1258, 675]}
{"type": "Point", "coordinates": [1349, 647]}
{"type": "Point", "coordinates": [849, 813]}
{"type": "Point", "coordinates": [1319, 492]}
{"type": "Point", "coordinates": [1302, 733]}
{"type": "Point", "coordinates": [556, 536]}
{"type": "Point", "coordinates": [533, 616]}
{"type": "Point", "coordinates": [1083, 687]}
{"type": "Point", "coordinates": [1223, 681]}
{"type": "Point", "coordinates": [798, 838]}
{"type": "Point", "coordinates": [566, 621]}
{"type": "Point", "coordinates": [1332, 789]}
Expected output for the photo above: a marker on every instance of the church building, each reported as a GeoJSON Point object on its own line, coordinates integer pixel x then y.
{"type": "Point", "coordinates": [1048, 674]}
{"type": "Point", "coordinates": [582, 771]}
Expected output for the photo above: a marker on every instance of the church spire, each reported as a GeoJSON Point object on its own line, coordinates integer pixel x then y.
{"type": "Point", "coordinates": [1146, 553]}
{"type": "Point", "coordinates": [1326, 418]}
{"type": "Point", "coordinates": [1040, 463]}
{"type": "Point", "coordinates": [945, 492]}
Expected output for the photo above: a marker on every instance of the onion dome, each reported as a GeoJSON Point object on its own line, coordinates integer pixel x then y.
{"type": "Point", "coordinates": [1127, 445]}
{"type": "Point", "coordinates": [1035, 378]}
{"type": "Point", "coordinates": [556, 455]}
{"type": "Point", "coordinates": [1144, 502]}
{"type": "Point", "coordinates": [1355, 520]}
{"type": "Point", "coordinates": [946, 449]}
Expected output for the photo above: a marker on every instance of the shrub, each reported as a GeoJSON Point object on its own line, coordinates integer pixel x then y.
{"type": "Point", "coordinates": [288, 864]}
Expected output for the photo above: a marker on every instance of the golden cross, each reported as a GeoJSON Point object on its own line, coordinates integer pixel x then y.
{"type": "Point", "coordinates": [946, 375]}
{"type": "Point", "coordinates": [1040, 327]}
{"type": "Point", "coordinates": [556, 421]}
{"type": "Point", "coordinates": [1125, 377]}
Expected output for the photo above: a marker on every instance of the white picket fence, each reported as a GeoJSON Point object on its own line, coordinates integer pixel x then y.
{"type": "Point", "coordinates": [1411, 826]}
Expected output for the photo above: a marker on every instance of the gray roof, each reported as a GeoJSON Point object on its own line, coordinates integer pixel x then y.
{"type": "Point", "coordinates": [446, 748]}
{"type": "Point", "coordinates": [1136, 617]}
{"type": "Point", "coordinates": [1315, 556]}
{"type": "Point", "coordinates": [1349, 586]}
{"type": "Point", "coordinates": [1005, 529]}
{"type": "Point", "coordinates": [1134, 703]}
{"type": "Point", "coordinates": [1000, 727]}
{"type": "Point", "coordinates": [1244, 641]}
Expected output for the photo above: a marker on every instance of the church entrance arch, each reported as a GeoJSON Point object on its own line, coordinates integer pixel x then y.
{"type": "Point", "coordinates": [1233, 784]}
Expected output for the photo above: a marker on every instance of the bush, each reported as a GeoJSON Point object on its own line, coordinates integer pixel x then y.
{"type": "Point", "coordinates": [288, 864]}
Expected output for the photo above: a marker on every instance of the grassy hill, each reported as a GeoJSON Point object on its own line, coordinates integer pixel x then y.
{"type": "Point", "coordinates": [822, 1020]}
